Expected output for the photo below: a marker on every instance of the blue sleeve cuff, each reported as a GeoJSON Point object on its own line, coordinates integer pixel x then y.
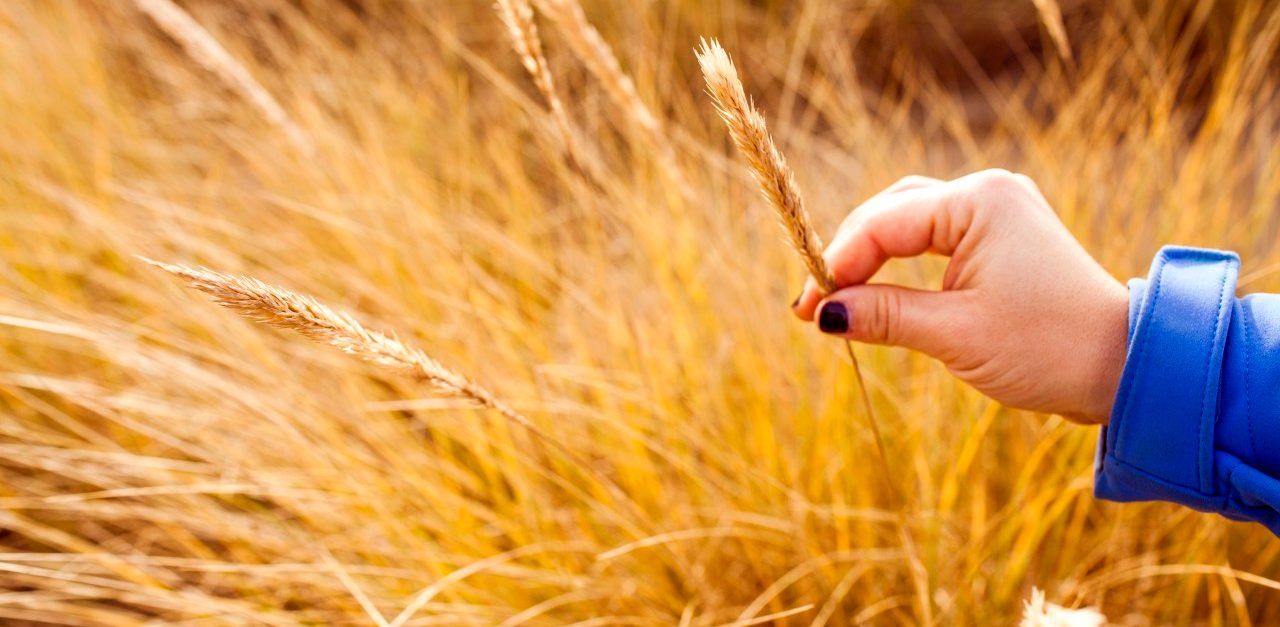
{"type": "Point", "coordinates": [1159, 444]}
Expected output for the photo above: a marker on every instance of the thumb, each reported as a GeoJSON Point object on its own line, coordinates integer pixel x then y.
{"type": "Point", "coordinates": [893, 315]}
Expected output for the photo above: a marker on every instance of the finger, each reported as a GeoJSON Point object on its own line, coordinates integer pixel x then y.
{"type": "Point", "coordinates": [902, 224]}
{"type": "Point", "coordinates": [922, 218]}
{"type": "Point", "coordinates": [905, 224]}
{"type": "Point", "coordinates": [895, 316]}
{"type": "Point", "coordinates": [906, 183]}
{"type": "Point", "coordinates": [805, 304]}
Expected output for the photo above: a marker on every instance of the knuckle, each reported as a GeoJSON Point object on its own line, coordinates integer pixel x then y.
{"type": "Point", "coordinates": [997, 191]}
{"type": "Point", "coordinates": [1027, 182]}
{"type": "Point", "coordinates": [882, 322]}
{"type": "Point", "coordinates": [907, 182]}
{"type": "Point", "coordinates": [997, 180]}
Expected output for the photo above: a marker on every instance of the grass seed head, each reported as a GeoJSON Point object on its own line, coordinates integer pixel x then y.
{"type": "Point", "coordinates": [768, 166]}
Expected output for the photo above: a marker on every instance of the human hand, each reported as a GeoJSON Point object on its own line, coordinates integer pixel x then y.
{"type": "Point", "coordinates": [1025, 315]}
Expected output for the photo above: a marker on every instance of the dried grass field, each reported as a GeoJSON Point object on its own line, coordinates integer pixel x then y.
{"type": "Point", "coordinates": [543, 200]}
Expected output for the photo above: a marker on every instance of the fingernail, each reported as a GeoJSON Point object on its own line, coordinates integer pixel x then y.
{"type": "Point", "coordinates": [834, 318]}
{"type": "Point", "coordinates": [796, 301]}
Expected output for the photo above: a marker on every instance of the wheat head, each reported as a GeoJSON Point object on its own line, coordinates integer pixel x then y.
{"type": "Point", "coordinates": [1051, 15]}
{"type": "Point", "coordinates": [768, 166]}
{"type": "Point", "coordinates": [284, 309]}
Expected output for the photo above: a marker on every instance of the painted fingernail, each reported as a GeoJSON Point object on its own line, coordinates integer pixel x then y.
{"type": "Point", "coordinates": [834, 318]}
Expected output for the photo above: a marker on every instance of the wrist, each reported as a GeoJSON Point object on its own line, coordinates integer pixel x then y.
{"type": "Point", "coordinates": [1110, 327]}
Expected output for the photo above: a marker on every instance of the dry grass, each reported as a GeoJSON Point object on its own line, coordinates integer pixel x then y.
{"type": "Point", "coordinates": [165, 459]}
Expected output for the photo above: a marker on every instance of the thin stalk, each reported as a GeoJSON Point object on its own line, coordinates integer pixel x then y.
{"type": "Point", "coordinates": [303, 314]}
{"type": "Point", "coordinates": [778, 185]}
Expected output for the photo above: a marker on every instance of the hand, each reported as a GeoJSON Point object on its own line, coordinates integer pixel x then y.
{"type": "Point", "coordinates": [1025, 315]}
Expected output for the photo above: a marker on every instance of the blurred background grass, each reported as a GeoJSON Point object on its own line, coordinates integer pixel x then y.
{"type": "Point", "coordinates": [162, 459]}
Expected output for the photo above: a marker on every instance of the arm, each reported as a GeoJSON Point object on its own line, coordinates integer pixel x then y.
{"type": "Point", "coordinates": [1178, 370]}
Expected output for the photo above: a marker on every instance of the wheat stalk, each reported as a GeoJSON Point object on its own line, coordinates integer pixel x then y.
{"type": "Point", "coordinates": [201, 46]}
{"type": "Point", "coordinates": [281, 308]}
{"type": "Point", "coordinates": [778, 185]}
{"type": "Point", "coordinates": [303, 314]}
{"type": "Point", "coordinates": [284, 309]}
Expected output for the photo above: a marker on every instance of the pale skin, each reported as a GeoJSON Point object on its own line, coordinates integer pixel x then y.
{"type": "Point", "coordinates": [1025, 315]}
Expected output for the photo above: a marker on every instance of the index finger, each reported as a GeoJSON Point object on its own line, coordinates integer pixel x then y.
{"type": "Point", "coordinates": [904, 224]}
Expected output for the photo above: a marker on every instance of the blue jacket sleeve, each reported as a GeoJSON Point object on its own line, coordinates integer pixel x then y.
{"type": "Point", "coordinates": [1195, 419]}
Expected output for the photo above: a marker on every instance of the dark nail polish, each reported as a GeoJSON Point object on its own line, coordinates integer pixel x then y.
{"type": "Point", "coordinates": [834, 318]}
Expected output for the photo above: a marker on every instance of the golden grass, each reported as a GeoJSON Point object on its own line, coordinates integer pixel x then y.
{"type": "Point", "coordinates": [164, 458]}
